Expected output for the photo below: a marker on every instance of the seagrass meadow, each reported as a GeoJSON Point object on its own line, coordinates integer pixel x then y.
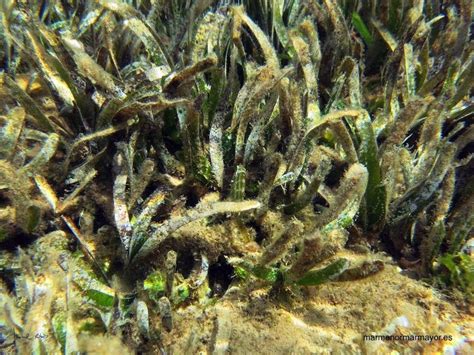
{"type": "Point", "coordinates": [236, 177]}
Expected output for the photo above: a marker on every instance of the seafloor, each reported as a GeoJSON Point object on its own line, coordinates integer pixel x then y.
{"type": "Point", "coordinates": [329, 319]}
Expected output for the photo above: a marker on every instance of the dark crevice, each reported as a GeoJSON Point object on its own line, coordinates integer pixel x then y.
{"type": "Point", "coordinates": [100, 219]}
{"type": "Point", "coordinates": [220, 276]}
{"type": "Point", "coordinates": [185, 263]}
{"type": "Point", "coordinates": [319, 201]}
{"type": "Point", "coordinates": [18, 239]}
{"type": "Point", "coordinates": [259, 234]}
{"type": "Point", "coordinates": [336, 173]}
{"type": "Point", "coordinates": [192, 197]}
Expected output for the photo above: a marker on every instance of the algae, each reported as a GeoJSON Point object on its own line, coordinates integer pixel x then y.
{"type": "Point", "coordinates": [235, 176]}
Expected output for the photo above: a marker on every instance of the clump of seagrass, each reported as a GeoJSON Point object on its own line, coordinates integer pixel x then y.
{"type": "Point", "coordinates": [291, 122]}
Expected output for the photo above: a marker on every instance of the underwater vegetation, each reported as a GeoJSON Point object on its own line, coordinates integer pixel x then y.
{"type": "Point", "coordinates": [154, 152]}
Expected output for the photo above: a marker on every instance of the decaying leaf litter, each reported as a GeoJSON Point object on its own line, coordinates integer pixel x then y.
{"type": "Point", "coordinates": [161, 159]}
